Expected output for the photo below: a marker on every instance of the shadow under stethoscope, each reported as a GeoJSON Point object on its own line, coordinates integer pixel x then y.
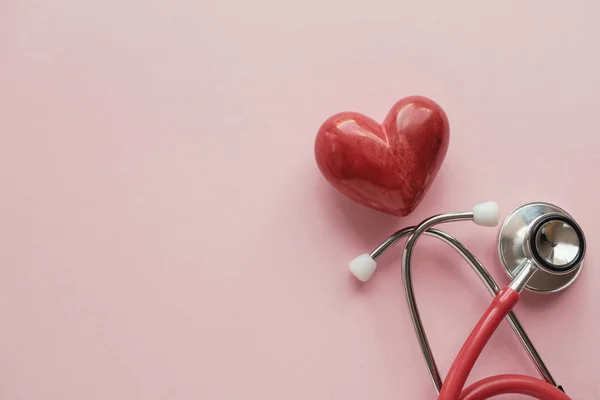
{"type": "Point", "coordinates": [367, 225]}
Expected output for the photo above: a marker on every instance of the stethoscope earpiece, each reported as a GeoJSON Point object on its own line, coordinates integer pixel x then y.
{"type": "Point", "coordinates": [363, 267]}
{"type": "Point", "coordinates": [486, 214]}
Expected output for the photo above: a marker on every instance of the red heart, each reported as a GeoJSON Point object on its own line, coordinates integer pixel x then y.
{"type": "Point", "coordinates": [388, 167]}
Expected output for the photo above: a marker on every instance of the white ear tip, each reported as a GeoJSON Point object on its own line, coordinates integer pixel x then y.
{"type": "Point", "coordinates": [363, 267]}
{"type": "Point", "coordinates": [486, 214]}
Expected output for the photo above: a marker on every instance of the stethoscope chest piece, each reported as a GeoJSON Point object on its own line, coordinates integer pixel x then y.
{"type": "Point", "coordinates": [547, 236]}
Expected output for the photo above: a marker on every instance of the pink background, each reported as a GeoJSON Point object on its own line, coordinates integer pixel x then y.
{"type": "Point", "coordinates": [164, 230]}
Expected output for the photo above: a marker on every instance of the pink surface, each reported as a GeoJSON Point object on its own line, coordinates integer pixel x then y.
{"type": "Point", "coordinates": [165, 232]}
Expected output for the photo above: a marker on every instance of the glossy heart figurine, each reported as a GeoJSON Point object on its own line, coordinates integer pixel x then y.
{"type": "Point", "coordinates": [388, 167]}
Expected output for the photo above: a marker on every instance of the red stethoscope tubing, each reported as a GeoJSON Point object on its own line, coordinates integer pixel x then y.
{"type": "Point", "coordinates": [452, 389]}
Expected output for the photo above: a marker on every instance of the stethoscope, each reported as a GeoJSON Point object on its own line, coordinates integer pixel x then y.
{"type": "Point", "coordinates": [540, 246]}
